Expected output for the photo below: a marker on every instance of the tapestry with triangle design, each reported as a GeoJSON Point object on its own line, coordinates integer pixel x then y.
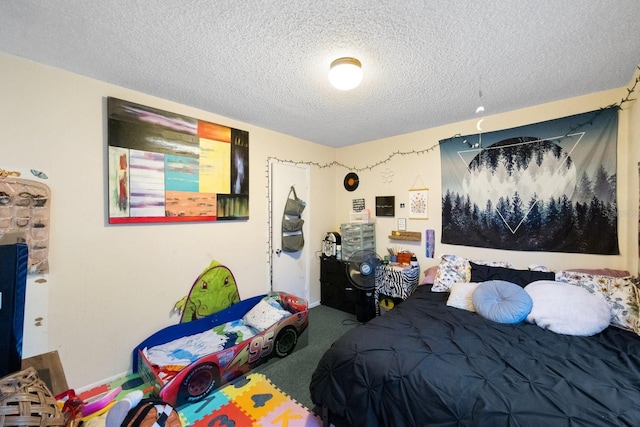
{"type": "Point", "coordinates": [548, 186]}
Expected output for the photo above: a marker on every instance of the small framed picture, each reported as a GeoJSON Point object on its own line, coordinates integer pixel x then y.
{"type": "Point", "coordinates": [402, 224]}
{"type": "Point", "coordinates": [418, 206]}
{"type": "Point", "coordinates": [385, 205]}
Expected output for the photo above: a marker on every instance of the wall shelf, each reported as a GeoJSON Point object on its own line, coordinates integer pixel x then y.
{"type": "Point", "coordinates": [415, 236]}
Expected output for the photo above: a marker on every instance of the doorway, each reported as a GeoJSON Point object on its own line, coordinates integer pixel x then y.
{"type": "Point", "coordinates": [289, 270]}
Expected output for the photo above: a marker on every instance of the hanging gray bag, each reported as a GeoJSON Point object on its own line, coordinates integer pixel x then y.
{"type": "Point", "coordinates": [295, 206]}
{"type": "Point", "coordinates": [292, 235]}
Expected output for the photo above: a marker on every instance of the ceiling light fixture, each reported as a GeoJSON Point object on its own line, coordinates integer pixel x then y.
{"type": "Point", "coordinates": [345, 73]}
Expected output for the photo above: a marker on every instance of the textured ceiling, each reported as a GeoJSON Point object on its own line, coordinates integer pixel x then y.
{"type": "Point", "coordinates": [426, 62]}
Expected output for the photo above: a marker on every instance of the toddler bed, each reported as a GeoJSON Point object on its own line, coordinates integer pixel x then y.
{"type": "Point", "coordinates": [430, 363]}
{"type": "Point", "coordinates": [187, 361]}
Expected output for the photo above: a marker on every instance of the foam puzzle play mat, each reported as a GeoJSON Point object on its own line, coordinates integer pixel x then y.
{"type": "Point", "coordinates": [251, 400]}
{"type": "Point", "coordinates": [247, 401]}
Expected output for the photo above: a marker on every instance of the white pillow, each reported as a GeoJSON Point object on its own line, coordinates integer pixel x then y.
{"type": "Point", "coordinates": [619, 292]}
{"type": "Point", "coordinates": [461, 295]}
{"type": "Point", "coordinates": [567, 309]}
{"type": "Point", "coordinates": [263, 315]}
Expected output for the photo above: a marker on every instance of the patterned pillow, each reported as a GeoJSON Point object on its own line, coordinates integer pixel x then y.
{"type": "Point", "coordinates": [452, 269]}
{"type": "Point", "coordinates": [504, 264]}
{"type": "Point", "coordinates": [621, 295]}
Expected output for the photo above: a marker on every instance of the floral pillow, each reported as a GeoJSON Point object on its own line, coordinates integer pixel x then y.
{"type": "Point", "coordinates": [452, 269]}
{"type": "Point", "coordinates": [621, 295]}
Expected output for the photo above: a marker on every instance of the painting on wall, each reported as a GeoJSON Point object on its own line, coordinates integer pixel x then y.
{"type": "Point", "coordinates": [418, 203]}
{"type": "Point", "coordinates": [548, 186]}
{"type": "Point", "coordinates": [385, 205]}
{"type": "Point", "coordinates": [167, 167]}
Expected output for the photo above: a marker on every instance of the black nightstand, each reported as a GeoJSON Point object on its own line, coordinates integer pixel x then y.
{"type": "Point", "coordinates": [335, 289]}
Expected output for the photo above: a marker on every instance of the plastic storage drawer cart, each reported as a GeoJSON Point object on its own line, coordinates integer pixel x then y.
{"type": "Point", "coordinates": [357, 237]}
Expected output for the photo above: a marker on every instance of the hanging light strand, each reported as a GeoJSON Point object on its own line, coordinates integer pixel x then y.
{"type": "Point", "coordinates": [456, 137]}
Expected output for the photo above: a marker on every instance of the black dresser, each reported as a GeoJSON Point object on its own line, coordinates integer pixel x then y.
{"type": "Point", "coordinates": [335, 289]}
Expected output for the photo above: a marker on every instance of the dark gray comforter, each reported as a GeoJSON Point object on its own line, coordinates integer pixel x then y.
{"type": "Point", "coordinates": [426, 364]}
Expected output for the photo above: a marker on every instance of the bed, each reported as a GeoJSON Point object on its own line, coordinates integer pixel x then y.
{"type": "Point", "coordinates": [187, 361]}
{"type": "Point", "coordinates": [426, 363]}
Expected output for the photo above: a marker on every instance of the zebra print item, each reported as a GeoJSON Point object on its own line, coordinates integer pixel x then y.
{"type": "Point", "coordinates": [395, 282]}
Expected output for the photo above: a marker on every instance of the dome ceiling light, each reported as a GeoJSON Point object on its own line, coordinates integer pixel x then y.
{"type": "Point", "coordinates": [345, 73]}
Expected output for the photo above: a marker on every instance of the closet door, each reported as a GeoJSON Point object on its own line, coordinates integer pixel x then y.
{"type": "Point", "coordinates": [13, 283]}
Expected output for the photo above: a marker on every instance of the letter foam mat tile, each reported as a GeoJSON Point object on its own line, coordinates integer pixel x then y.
{"type": "Point", "coordinates": [249, 401]}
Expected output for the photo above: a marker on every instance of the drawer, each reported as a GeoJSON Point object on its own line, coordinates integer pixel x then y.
{"type": "Point", "coordinates": [333, 270]}
{"type": "Point", "coordinates": [337, 296]}
{"type": "Point", "coordinates": [357, 228]}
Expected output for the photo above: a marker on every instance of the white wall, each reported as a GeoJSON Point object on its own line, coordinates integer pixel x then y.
{"type": "Point", "coordinates": [109, 287]}
{"type": "Point", "coordinates": [631, 111]}
{"type": "Point", "coordinates": [410, 170]}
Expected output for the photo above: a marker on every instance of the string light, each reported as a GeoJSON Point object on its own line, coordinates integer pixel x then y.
{"type": "Point", "coordinates": [455, 137]}
{"type": "Point", "coordinates": [404, 153]}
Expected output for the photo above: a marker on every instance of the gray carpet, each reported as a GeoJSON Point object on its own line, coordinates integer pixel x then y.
{"type": "Point", "coordinates": [292, 374]}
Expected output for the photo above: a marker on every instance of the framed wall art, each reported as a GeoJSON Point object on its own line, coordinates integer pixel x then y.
{"type": "Point", "coordinates": [385, 205]}
{"type": "Point", "coordinates": [418, 203]}
{"type": "Point", "coordinates": [167, 167]}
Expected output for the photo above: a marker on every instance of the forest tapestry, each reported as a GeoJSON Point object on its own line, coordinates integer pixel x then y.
{"type": "Point", "coordinates": [549, 186]}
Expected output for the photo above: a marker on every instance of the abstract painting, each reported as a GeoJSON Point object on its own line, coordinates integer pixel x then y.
{"type": "Point", "coordinates": [167, 167]}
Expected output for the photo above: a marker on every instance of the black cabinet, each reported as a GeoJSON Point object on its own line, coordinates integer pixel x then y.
{"type": "Point", "coordinates": [13, 283]}
{"type": "Point", "coordinates": [335, 289]}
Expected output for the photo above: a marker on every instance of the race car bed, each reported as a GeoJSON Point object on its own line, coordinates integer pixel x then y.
{"type": "Point", "coordinates": [425, 363]}
{"type": "Point", "coordinates": [187, 361]}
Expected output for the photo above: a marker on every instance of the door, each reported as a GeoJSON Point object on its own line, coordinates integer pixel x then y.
{"type": "Point", "coordinates": [289, 270]}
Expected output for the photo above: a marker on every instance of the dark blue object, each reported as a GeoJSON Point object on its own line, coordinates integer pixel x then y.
{"type": "Point", "coordinates": [13, 287]}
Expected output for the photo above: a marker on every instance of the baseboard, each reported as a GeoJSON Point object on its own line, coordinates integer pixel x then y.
{"type": "Point", "coordinates": [101, 383]}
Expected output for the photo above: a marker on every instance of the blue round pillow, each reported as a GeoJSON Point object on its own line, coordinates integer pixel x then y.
{"type": "Point", "coordinates": [502, 302]}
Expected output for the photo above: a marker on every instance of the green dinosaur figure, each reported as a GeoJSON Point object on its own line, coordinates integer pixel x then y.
{"type": "Point", "coordinates": [214, 290]}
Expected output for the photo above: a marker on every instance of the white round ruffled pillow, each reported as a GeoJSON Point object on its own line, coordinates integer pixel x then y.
{"type": "Point", "coordinates": [567, 309]}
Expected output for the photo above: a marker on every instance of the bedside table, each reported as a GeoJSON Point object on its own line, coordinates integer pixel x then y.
{"type": "Point", "coordinates": [395, 282]}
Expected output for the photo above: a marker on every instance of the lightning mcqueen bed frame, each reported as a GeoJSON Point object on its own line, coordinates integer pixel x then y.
{"type": "Point", "coordinates": [194, 382]}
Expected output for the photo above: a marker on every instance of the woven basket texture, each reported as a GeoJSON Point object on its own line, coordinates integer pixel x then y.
{"type": "Point", "coordinates": [25, 400]}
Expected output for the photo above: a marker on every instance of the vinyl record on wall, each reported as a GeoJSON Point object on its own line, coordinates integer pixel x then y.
{"type": "Point", "coordinates": [351, 181]}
